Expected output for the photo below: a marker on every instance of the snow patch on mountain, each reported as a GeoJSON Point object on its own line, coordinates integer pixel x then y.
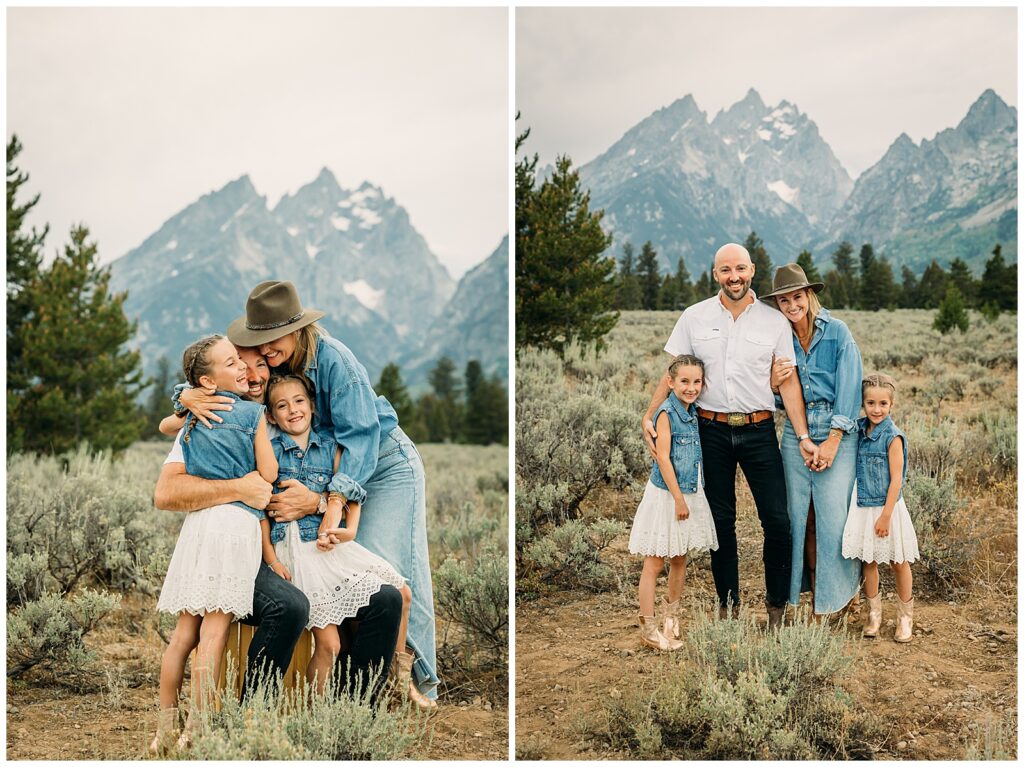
{"type": "Point", "coordinates": [783, 190]}
{"type": "Point", "coordinates": [340, 223]}
{"type": "Point", "coordinates": [364, 293]}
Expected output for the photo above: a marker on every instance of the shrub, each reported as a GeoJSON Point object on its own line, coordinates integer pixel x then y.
{"type": "Point", "coordinates": [996, 742]}
{"type": "Point", "coordinates": [948, 547]}
{"type": "Point", "coordinates": [475, 595]}
{"type": "Point", "coordinates": [48, 633]}
{"type": "Point", "coordinates": [569, 556]}
{"type": "Point", "coordinates": [83, 519]}
{"type": "Point", "coordinates": [743, 695]}
{"type": "Point", "coordinates": [272, 725]}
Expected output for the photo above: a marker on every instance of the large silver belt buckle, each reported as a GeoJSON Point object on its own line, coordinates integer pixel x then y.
{"type": "Point", "coordinates": [737, 419]}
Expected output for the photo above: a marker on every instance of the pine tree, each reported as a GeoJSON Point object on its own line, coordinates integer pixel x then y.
{"type": "Point", "coordinates": [998, 283]}
{"type": "Point", "coordinates": [486, 418]}
{"type": "Point", "coordinates": [867, 297]}
{"type": "Point", "coordinates": [806, 262]}
{"type": "Point", "coordinates": [952, 313]}
{"type": "Point", "coordinates": [24, 256]}
{"type": "Point", "coordinates": [835, 286]}
{"type": "Point", "coordinates": [878, 286]}
{"type": "Point", "coordinates": [84, 382]}
{"type": "Point", "coordinates": [565, 287]}
{"type": "Point", "coordinates": [932, 288]}
{"type": "Point", "coordinates": [704, 287]}
{"type": "Point", "coordinates": [763, 269]}
{"type": "Point", "coordinates": [908, 290]}
{"type": "Point", "coordinates": [159, 395]}
{"type": "Point", "coordinates": [685, 289]}
{"type": "Point", "coordinates": [628, 289]}
{"type": "Point", "coordinates": [434, 419]}
{"type": "Point", "coordinates": [392, 387]}
{"type": "Point", "coordinates": [445, 421]}
{"type": "Point", "coordinates": [649, 276]}
{"type": "Point", "coordinates": [845, 288]}
{"type": "Point", "coordinates": [960, 275]}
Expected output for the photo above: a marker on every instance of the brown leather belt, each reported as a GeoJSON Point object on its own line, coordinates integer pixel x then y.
{"type": "Point", "coordinates": [735, 419]}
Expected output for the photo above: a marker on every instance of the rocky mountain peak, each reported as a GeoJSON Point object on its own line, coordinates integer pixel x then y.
{"type": "Point", "coordinates": [989, 114]}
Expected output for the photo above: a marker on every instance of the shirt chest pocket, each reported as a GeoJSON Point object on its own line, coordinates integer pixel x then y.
{"type": "Point", "coordinates": [757, 350]}
{"type": "Point", "coordinates": [706, 342]}
{"type": "Point", "coordinates": [685, 449]}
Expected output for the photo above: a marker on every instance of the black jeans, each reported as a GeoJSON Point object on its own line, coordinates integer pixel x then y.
{"type": "Point", "coordinates": [279, 612]}
{"type": "Point", "coordinates": [755, 448]}
{"type": "Point", "coordinates": [373, 645]}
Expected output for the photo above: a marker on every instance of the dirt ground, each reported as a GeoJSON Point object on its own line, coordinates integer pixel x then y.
{"type": "Point", "coordinates": [933, 696]}
{"type": "Point", "coordinates": [50, 722]}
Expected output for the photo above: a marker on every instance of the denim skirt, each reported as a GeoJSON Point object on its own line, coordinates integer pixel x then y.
{"type": "Point", "coordinates": [836, 579]}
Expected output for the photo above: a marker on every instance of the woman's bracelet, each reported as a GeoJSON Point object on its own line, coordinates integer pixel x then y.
{"type": "Point", "coordinates": [271, 564]}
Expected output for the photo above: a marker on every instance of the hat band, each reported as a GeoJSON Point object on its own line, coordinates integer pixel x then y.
{"type": "Point", "coordinates": [793, 286]}
{"type": "Point", "coordinates": [272, 325]}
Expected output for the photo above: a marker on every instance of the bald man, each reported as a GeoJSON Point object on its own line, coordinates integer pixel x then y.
{"type": "Point", "coordinates": [737, 337]}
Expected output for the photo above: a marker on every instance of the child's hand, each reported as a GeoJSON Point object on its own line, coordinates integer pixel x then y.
{"type": "Point", "coordinates": [682, 510]}
{"type": "Point", "coordinates": [882, 527]}
{"type": "Point", "coordinates": [279, 568]}
{"type": "Point", "coordinates": [202, 403]}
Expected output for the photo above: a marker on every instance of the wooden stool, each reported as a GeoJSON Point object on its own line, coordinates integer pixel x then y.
{"type": "Point", "coordinates": [240, 637]}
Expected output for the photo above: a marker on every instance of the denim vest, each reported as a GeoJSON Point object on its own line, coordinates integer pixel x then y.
{"type": "Point", "coordinates": [313, 467]}
{"type": "Point", "coordinates": [685, 450]}
{"type": "Point", "coordinates": [873, 462]}
{"type": "Point", "coordinates": [226, 451]}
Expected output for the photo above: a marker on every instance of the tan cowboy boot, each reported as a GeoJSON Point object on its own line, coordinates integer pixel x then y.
{"type": "Point", "coordinates": [873, 621]}
{"type": "Point", "coordinates": [404, 683]}
{"type": "Point", "coordinates": [671, 626]}
{"type": "Point", "coordinates": [166, 732]}
{"type": "Point", "coordinates": [904, 620]}
{"type": "Point", "coordinates": [650, 636]}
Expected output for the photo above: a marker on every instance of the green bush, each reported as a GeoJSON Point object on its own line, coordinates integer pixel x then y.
{"type": "Point", "coordinates": [740, 694]}
{"type": "Point", "coordinates": [274, 725]}
{"type": "Point", "coordinates": [570, 556]}
{"type": "Point", "coordinates": [83, 519]}
{"type": "Point", "coordinates": [48, 633]}
{"type": "Point", "coordinates": [475, 595]}
{"type": "Point", "coordinates": [948, 547]}
{"type": "Point", "coordinates": [996, 743]}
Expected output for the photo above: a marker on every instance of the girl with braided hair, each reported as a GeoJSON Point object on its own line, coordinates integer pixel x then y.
{"type": "Point", "coordinates": [209, 581]}
{"type": "Point", "coordinates": [878, 528]}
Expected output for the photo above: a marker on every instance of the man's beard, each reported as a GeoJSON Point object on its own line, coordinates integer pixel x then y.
{"type": "Point", "coordinates": [743, 294]}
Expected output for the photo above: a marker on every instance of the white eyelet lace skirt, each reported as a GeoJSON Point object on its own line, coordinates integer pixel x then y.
{"type": "Point", "coordinates": [337, 582]}
{"type": "Point", "coordinates": [657, 533]}
{"type": "Point", "coordinates": [214, 564]}
{"type": "Point", "coordinates": [860, 541]}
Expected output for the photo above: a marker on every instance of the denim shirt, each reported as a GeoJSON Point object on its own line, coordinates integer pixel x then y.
{"type": "Point", "coordinates": [873, 462]}
{"type": "Point", "coordinates": [226, 451]}
{"type": "Point", "coordinates": [313, 467]}
{"type": "Point", "coordinates": [351, 412]}
{"type": "Point", "coordinates": [685, 450]}
{"type": "Point", "coordinates": [831, 370]}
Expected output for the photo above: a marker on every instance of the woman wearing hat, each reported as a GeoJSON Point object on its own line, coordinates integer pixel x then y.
{"type": "Point", "coordinates": [380, 466]}
{"type": "Point", "coordinates": [829, 367]}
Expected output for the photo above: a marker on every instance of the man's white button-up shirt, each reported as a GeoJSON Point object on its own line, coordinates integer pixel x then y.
{"type": "Point", "coordinates": [737, 354]}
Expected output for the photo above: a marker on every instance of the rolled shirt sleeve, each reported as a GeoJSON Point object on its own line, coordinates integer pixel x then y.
{"type": "Point", "coordinates": [357, 429]}
{"type": "Point", "coordinates": [849, 373]}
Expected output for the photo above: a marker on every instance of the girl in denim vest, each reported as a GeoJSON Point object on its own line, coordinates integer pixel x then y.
{"type": "Point", "coordinates": [878, 528]}
{"type": "Point", "coordinates": [336, 574]}
{"type": "Point", "coordinates": [673, 517]}
{"type": "Point", "coordinates": [210, 578]}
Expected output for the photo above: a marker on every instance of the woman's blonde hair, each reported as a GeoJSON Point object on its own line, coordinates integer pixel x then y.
{"type": "Point", "coordinates": [306, 339]}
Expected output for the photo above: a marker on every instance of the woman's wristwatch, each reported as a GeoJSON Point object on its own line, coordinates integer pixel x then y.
{"type": "Point", "coordinates": [321, 506]}
{"type": "Point", "coordinates": [802, 437]}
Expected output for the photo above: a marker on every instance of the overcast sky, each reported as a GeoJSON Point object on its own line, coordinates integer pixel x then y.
{"type": "Point", "coordinates": [584, 76]}
{"type": "Point", "coordinates": [128, 115]}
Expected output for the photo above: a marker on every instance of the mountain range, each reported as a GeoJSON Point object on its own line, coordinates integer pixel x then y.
{"type": "Point", "coordinates": [353, 254]}
{"type": "Point", "coordinates": [689, 183]}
